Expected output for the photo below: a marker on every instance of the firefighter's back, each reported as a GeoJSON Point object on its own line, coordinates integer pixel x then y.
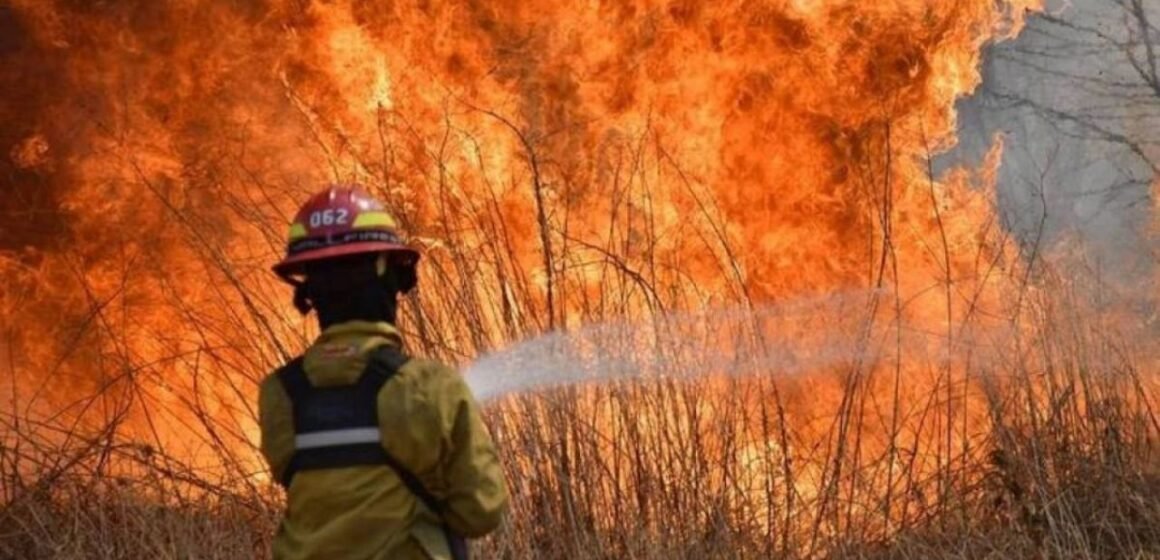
{"type": "Point", "coordinates": [355, 512]}
{"type": "Point", "coordinates": [367, 511]}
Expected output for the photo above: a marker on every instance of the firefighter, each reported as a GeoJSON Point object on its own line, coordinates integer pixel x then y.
{"type": "Point", "coordinates": [382, 455]}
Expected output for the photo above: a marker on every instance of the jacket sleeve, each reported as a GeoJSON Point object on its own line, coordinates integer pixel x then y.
{"type": "Point", "coordinates": [475, 493]}
{"type": "Point", "coordinates": [277, 425]}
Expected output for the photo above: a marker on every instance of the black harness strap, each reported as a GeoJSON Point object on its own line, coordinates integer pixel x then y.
{"type": "Point", "coordinates": [351, 407]}
{"type": "Point", "coordinates": [323, 409]}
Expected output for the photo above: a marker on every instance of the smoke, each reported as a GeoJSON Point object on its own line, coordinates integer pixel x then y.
{"type": "Point", "coordinates": [1077, 100]}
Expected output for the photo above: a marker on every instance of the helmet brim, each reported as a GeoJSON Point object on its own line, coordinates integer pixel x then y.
{"type": "Point", "coordinates": [294, 264]}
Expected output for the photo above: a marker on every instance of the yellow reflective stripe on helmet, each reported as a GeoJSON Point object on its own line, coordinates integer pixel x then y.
{"type": "Point", "coordinates": [297, 231]}
{"type": "Point", "coordinates": [374, 219]}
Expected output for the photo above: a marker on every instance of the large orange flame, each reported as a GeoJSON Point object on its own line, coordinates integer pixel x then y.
{"type": "Point", "coordinates": [557, 162]}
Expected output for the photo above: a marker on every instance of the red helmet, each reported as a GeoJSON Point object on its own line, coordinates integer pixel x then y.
{"type": "Point", "coordinates": [341, 221]}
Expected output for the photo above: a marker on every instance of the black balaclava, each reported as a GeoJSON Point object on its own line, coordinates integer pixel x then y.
{"type": "Point", "coordinates": [359, 288]}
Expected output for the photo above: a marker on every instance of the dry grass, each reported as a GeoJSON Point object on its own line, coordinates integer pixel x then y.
{"type": "Point", "coordinates": [1051, 453]}
{"type": "Point", "coordinates": [142, 508]}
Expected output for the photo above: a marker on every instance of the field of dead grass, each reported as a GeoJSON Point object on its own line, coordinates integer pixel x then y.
{"type": "Point", "coordinates": [1048, 452]}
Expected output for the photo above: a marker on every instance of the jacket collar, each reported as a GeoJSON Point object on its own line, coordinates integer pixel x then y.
{"type": "Point", "coordinates": [362, 329]}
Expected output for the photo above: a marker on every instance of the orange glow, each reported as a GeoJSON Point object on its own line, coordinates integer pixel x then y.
{"type": "Point", "coordinates": [558, 163]}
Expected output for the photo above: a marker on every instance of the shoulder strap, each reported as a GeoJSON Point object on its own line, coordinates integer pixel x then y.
{"type": "Point", "coordinates": [293, 378]}
{"type": "Point", "coordinates": [386, 360]}
{"type": "Point", "coordinates": [384, 363]}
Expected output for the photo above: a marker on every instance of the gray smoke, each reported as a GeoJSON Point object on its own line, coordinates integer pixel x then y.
{"type": "Point", "coordinates": [1077, 97]}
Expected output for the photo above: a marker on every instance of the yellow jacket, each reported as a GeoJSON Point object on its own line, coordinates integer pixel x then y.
{"type": "Point", "coordinates": [429, 422]}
